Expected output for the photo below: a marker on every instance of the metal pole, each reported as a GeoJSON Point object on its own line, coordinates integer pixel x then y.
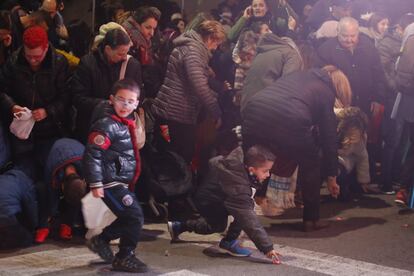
{"type": "Point", "coordinates": [182, 7]}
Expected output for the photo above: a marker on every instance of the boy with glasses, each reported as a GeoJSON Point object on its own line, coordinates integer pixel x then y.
{"type": "Point", "coordinates": [112, 166]}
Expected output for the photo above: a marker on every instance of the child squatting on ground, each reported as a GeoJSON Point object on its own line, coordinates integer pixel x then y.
{"type": "Point", "coordinates": [229, 189]}
{"type": "Point", "coordinates": [112, 166]}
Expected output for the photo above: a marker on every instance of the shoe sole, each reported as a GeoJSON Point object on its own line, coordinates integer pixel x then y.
{"type": "Point", "coordinates": [222, 250]}
{"type": "Point", "coordinates": [124, 269]}
{"type": "Point", "coordinates": [400, 203]}
{"type": "Point", "coordinates": [93, 248]}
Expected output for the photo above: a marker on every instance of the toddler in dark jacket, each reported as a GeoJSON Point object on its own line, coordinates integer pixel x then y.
{"type": "Point", "coordinates": [229, 189]}
{"type": "Point", "coordinates": [112, 166]}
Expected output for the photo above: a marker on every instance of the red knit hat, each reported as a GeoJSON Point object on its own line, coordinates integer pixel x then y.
{"type": "Point", "coordinates": [34, 37]}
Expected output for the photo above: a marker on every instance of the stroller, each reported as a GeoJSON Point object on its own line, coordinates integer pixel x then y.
{"type": "Point", "coordinates": [164, 174]}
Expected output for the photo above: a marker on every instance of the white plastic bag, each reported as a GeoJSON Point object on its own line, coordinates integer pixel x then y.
{"type": "Point", "coordinates": [96, 215]}
{"type": "Point", "coordinates": [22, 124]}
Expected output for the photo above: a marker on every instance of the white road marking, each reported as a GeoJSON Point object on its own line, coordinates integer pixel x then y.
{"type": "Point", "coordinates": [69, 258]}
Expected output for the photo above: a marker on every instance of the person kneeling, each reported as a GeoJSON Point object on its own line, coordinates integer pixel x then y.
{"type": "Point", "coordinates": [229, 189]}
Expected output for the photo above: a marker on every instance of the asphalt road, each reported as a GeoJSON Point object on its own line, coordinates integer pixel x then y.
{"type": "Point", "coordinates": [366, 237]}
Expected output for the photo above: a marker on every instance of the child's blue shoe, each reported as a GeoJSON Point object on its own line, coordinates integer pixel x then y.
{"type": "Point", "coordinates": [233, 248]}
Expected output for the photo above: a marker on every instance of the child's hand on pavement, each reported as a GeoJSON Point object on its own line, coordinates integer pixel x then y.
{"type": "Point", "coordinates": [98, 192]}
{"type": "Point", "coordinates": [272, 254]}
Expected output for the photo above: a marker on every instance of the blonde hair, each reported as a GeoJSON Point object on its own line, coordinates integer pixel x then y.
{"type": "Point", "coordinates": [342, 86]}
{"type": "Point", "coordinates": [212, 29]}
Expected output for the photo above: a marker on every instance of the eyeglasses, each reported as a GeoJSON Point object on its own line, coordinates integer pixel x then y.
{"type": "Point", "coordinates": [130, 104]}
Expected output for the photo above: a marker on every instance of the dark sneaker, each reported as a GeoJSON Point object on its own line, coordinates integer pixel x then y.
{"type": "Point", "coordinates": [130, 263]}
{"type": "Point", "coordinates": [174, 228]}
{"type": "Point", "coordinates": [234, 248]}
{"type": "Point", "coordinates": [102, 248]}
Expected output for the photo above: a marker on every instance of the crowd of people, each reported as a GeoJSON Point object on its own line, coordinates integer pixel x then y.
{"type": "Point", "coordinates": [157, 115]}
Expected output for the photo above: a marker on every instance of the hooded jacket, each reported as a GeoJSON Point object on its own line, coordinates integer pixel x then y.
{"type": "Point", "coordinates": [275, 58]}
{"type": "Point", "coordinates": [228, 183]}
{"type": "Point", "coordinates": [111, 156]}
{"type": "Point", "coordinates": [185, 90]}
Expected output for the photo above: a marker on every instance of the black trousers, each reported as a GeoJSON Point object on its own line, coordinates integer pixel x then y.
{"type": "Point", "coordinates": [213, 220]}
{"type": "Point", "coordinates": [129, 221]}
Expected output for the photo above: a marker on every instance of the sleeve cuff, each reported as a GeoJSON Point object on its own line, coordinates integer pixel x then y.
{"type": "Point", "coordinates": [96, 185]}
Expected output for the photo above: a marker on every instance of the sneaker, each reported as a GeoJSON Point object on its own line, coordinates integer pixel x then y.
{"type": "Point", "coordinates": [41, 235]}
{"type": "Point", "coordinates": [102, 248]}
{"type": "Point", "coordinates": [130, 263]}
{"type": "Point", "coordinates": [401, 197]}
{"type": "Point", "coordinates": [65, 232]}
{"type": "Point", "coordinates": [174, 228]}
{"type": "Point", "coordinates": [234, 248]}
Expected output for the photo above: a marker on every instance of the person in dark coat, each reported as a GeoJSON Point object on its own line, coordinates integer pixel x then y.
{"type": "Point", "coordinates": [112, 165]}
{"type": "Point", "coordinates": [35, 77]}
{"type": "Point", "coordinates": [393, 134]}
{"type": "Point", "coordinates": [95, 75]}
{"type": "Point", "coordinates": [294, 118]}
{"type": "Point", "coordinates": [186, 90]}
{"type": "Point", "coordinates": [358, 58]}
{"type": "Point", "coordinates": [228, 189]}
{"type": "Point", "coordinates": [403, 109]}
{"type": "Point", "coordinates": [18, 209]}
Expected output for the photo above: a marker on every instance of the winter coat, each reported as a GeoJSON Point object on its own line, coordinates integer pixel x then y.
{"type": "Point", "coordinates": [405, 78]}
{"type": "Point", "coordinates": [92, 83]}
{"type": "Point", "coordinates": [111, 156]}
{"type": "Point", "coordinates": [228, 182]}
{"type": "Point", "coordinates": [45, 88]}
{"type": "Point", "coordinates": [17, 196]}
{"type": "Point", "coordinates": [294, 117]}
{"type": "Point", "coordinates": [275, 58]}
{"type": "Point", "coordinates": [389, 50]}
{"type": "Point", "coordinates": [185, 90]}
{"type": "Point", "coordinates": [18, 210]}
{"type": "Point", "coordinates": [363, 69]}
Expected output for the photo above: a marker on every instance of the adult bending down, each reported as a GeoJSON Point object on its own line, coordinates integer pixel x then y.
{"type": "Point", "coordinates": [295, 119]}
